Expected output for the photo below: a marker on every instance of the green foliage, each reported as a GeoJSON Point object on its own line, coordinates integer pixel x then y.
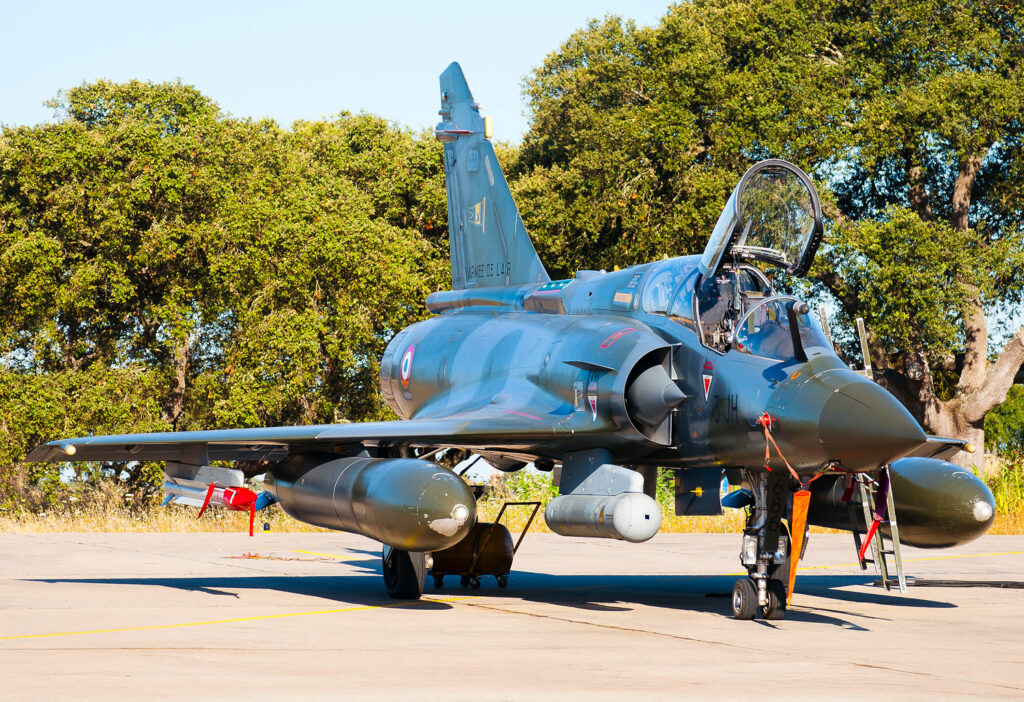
{"type": "Point", "coordinates": [1004, 426]}
{"type": "Point", "coordinates": [906, 112]}
{"type": "Point", "coordinates": [37, 407]}
{"type": "Point", "coordinates": [639, 135]}
{"type": "Point", "coordinates": [877, 257]}
{"type": "Point", "coordinates": [666, 492]}
{"type": "Point", "coordinates": [523, 485]}
{"type": "Point", "coordinates": [402, 175]}
{"type": "Point", "coordinates": [165, 266]}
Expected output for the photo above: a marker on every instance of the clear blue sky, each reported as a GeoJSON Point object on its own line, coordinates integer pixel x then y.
{"type": "Point", "coordinates": [295, 60]}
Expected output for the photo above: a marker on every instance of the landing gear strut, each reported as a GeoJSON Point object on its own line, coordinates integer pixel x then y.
{"type": "Point", "coordinates": [765, 551]}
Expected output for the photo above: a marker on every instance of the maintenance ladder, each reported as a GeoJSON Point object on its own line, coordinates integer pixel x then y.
{"type": "Point", "coordinates": [879, 551]}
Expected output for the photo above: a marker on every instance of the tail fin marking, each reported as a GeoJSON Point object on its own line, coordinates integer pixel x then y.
{"type": "Point", "coordinates": [489, 244]}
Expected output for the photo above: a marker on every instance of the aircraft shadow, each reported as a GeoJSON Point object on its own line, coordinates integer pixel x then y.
{"type": "Point", "coordinates": [707, 593]}
{"type": "Point", "coordinates": [596, 593]}
{"type": "Point", "coordinates": [680, 591]}
{"type": "Point", "coordinates": [359, 589]}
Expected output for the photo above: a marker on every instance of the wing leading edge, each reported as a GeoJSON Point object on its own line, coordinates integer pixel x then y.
{"type": "Point", "coordinates": [942, 447]}
{"type": "Point", "coordinates": [480, 428]}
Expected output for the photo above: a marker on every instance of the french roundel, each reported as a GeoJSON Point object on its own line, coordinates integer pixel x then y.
{"type": "Point", "coordinates": [406, 368]}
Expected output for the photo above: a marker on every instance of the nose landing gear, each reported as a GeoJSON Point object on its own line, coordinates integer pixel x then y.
{"type": "Point", "coordinates": [765, 551]}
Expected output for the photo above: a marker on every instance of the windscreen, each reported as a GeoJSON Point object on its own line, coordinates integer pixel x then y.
{"type": "Point", "coordinates": [657, 295]}
{"type": "Point", "coordinates": [764, 331]}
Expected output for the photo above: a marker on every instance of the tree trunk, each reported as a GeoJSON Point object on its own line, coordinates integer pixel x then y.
{"type": "Point", "coordinates": [951, 416]}
{"type": "Point", "coordinates": [175, 403]}
{"type": "Point", "coordinates": [950, 422]}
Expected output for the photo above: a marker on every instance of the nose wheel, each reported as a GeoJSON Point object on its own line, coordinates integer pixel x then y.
{"type": "Point", "coordinates": [744, 599]}
{"type": "Point", "coordinates": [776, 607]}
{"type": "Point", "coordinates": [745, 603]}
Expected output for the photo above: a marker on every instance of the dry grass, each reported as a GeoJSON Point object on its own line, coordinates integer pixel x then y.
{"type": "Point", "coordinates": [108, 510]}
{"type": "Point", "coordinates": [176, 519]}
{"type": "Point", "coordinates": [1008, 488]}
{"type": "Point", "coordinates": [170, 519]}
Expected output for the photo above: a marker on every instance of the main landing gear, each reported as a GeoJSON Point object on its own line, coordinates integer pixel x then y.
{"type": "Point", "coordinates": [765, 552]}
{"type": "Point", "coordinates": [404, 573]}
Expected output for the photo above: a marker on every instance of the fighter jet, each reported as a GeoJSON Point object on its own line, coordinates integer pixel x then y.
{"type": "Point", "coordinates": [694, 364]}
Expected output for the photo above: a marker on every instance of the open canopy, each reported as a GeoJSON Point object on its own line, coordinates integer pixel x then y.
{"type": "Point", "coordinates": [773, 216]}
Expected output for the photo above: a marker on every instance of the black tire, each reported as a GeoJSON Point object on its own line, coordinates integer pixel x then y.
{"type": "Point", "coordinates": [439, 581]}
{"type": "Point", "coordinates": [474, 583]}
{"type": "Point", "coordinates": [464, 581]}
{"type": "Point", "coordinates": [776, 607]}
{"type": "Point", "coordinates": [744, 599]}
{"type": "Point", "coordinates": [502, 580]}
{"type": "Point", "coordinates": [404, 573]}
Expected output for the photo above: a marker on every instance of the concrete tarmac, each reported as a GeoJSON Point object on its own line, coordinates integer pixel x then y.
{"type": "Point", "coordinates": [188, 616]}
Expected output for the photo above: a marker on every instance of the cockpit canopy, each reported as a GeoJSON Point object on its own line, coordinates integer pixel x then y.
{"type": "Point", "coordinates": [736, 309]}
{"type": "Point", "coordinates": [773, 216]}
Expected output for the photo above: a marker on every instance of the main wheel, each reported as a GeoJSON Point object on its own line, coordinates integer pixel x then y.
{"type": "Point", "coordinates": [502, 580]}
{"type": "Point", "coordinates": [776, 607]}
{"type": "Point", "coordinates": [438, 581]}
{"type": "Point", "coordinates": [744, 599]}
{"type": "Point", "coordinates": [404, 573]}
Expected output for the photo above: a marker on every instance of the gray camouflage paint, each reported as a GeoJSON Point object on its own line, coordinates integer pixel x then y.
{"type": "Point", "coordinates": [520, 368]}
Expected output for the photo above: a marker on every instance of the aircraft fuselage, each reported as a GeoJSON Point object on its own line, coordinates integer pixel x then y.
{"type": "Point", "coordinates": [568, 353]}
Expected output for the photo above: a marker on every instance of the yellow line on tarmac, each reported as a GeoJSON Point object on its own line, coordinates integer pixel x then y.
{"type": "Point", "coordinates": [393, 605]}
{"type": "Point", "coordinates": [914, 560]}
{"type": "Point", "coordinates": [327, 555]}
{"type": "Point", "coordinates": [233, 621]}
{"type": "Point", "coordinates": [905, 560]}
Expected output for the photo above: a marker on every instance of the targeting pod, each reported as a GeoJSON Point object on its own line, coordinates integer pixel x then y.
{"type": "Point", "coordinates": [630, 516]}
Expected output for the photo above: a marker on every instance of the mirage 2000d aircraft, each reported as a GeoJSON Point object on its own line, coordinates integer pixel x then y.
{"type": "Point", "coordinates": [693, 364]}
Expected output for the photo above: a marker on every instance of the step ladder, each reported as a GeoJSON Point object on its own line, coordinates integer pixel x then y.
{"type": "Point", "coordinates": [879, 550]}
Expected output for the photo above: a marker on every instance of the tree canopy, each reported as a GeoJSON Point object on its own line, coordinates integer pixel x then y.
{"type": "Point", "coordinates": [164, 265]}
{"type": "Point", "coordinates": [908, 115]}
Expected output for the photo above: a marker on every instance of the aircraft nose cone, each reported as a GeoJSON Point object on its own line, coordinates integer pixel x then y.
{"type": "Point", "coordinates": [864, 427]}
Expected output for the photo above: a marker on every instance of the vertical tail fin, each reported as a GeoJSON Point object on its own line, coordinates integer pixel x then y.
{"type": "Point", "coordinates": [489, 244]}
